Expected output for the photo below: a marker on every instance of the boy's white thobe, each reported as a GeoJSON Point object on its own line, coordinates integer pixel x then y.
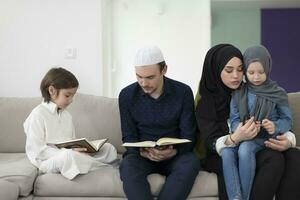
{"type": "Point", "coordinates": [45, 125]}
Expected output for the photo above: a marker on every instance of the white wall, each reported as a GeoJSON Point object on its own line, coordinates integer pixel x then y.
{"type": "Point", "coordinates": [226, 22]}
{"type": "Point", "coordinates": [34, 35]}
{"type": "Point", "coordinates": [180, 28]}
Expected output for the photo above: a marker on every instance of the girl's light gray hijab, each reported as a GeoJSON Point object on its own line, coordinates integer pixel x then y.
{"type": "Point", "coordinates": [268, 94]}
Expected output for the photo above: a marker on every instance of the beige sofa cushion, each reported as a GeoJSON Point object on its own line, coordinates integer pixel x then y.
{"type": "Point", "coordinates": [97, 117]}
{"type": "Point", "coordinates": [206, 185]}
{"type": "Point", "coordinates": [94, 117]}
{"type": "Point", "coordinates": [17, 169]}
{"type": "Point", "coordinates": [105, 182]}
{"type": "Point", "coordinates": [102, 182]}
{"type": "Point", "coordinates": [8, 191]}
{"type": "Point", "coordinates": [13, 112]}
{"type": "Point", "coordinates": [294, 101]}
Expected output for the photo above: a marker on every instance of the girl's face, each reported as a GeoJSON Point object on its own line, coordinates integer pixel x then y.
{"type": "Point", "coordinates": [232, 73]}
{"type": "Point", "coordinates": [256, 73]}
{"type": "Point", "coordinates": [63, 97]}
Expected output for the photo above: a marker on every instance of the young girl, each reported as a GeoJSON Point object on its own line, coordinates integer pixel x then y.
{"type": "Point", "coordinates": [50, 122]}
{"type": "Point", "coordinates": [261, 100]}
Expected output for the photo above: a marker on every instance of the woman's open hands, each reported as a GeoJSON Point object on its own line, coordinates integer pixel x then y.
{"type": "Point", "coordinates": [281, 143]}
{"type": "Point", "coordinates": [247, 131]}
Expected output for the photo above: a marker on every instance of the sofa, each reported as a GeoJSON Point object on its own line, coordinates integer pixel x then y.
{"type": "Point", "coordinates": [94, 117]}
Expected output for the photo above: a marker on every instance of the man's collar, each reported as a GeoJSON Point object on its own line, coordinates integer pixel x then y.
{"type": "Point", "coordinates": [167, 87]}
{"type": "Point", "coordinates": [165, 90]}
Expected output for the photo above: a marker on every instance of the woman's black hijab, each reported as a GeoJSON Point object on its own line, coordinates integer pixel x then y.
{"type": "Point", "coordinates": [214, 102]}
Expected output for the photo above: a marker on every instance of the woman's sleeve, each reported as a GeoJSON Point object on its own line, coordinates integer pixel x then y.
{"type": "Point", "coordinates": [291, 138]}
{"type": "Point", "coordinates": [211, 132]}
{"type": "Point", "coordinates": [220, 144]}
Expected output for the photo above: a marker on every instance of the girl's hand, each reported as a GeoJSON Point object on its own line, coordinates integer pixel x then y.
{"type": "Point", "coordinates": [269, 126]}
{"type": "Point", "coordinates": [281, 143]}
{"type": "Point", "coordinates": [258, 125]}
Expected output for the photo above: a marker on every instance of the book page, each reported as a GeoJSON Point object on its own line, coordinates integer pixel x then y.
{"type": "Point", "coordinates": [98, 143]}
{"type": "Point", "coordinates": [139, 144]}
{"type": "Point", "coordinates": [77, 143]}
{"type": "Point", "coordinates": [170, 141]}
{"type": "Point", "coordinates": [72, 140]}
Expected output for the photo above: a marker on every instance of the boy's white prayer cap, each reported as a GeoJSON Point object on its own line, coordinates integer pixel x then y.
{"type": "Point", "coordinates": [148, 55]}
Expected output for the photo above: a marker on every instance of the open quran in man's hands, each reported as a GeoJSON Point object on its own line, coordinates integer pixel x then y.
{"type": "Point", "coordinates": [165, 141]}
{"type": "Point", "coordinates": [91, 146]}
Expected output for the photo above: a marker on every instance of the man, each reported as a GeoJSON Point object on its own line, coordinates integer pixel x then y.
{"type": "Point", "coordinates": [154, 107]}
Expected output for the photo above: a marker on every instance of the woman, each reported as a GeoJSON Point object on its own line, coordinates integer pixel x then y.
{"type": "Point", "coordinates": [290, 180]}
{"type": "Point", "coordinates": [222, 74]}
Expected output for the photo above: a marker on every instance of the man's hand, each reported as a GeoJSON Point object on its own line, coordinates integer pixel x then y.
{"type": "Point", "coordinates": [281, 143]}
{"type": "Point", "coordinates": [158, 155]}
{"type": "Point", "coordinates": [269, 126]}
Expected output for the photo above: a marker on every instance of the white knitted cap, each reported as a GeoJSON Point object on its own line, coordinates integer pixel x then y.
{"type": "Point", "coordinates": [148, 55]}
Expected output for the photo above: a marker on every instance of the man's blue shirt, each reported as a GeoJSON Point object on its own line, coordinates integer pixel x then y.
{"type": "Point", "coordinates": [170, 115]}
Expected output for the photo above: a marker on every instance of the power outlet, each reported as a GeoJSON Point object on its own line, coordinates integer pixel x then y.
{"type": "Point", "coordinates": [70, 53]}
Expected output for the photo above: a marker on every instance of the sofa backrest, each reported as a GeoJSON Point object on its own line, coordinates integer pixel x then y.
{"type": "Point", "coordinates": [97, 117]}
{"type": "Point", "coordinates": [13, 112]}
{"type": "Point", "coordinates": [294, 102]}
{"type": "Point", "coordinates": [94, 117]}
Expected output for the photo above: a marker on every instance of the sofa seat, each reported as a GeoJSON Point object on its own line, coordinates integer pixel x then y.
{"type": "Point", "coordinates": [30, 197]}
{"type": "Point", "coordinates": [105, 182]}
{"type": "Point", "coordinates": [17, 169]}
{"type": "Point", "coordinates": [9, 190]}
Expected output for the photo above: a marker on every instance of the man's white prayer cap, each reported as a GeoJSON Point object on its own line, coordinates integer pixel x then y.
{"type": "Point", "coordinates": [148, 55]}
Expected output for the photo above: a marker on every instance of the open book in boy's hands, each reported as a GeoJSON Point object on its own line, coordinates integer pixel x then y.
{"type": "Point", "coordinates": [91, 146]}
{"type": "Point", "coordinates": [161, 142]}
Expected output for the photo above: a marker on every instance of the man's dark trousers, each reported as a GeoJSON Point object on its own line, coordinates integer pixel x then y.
{"type": "Point", "coordinates": [180, 173]}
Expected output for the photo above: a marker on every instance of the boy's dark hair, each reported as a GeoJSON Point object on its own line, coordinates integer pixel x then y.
{"type": "Point", "coordinates": [59, 78]}
{"type": "Point", "coordinates": [162, 65]}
